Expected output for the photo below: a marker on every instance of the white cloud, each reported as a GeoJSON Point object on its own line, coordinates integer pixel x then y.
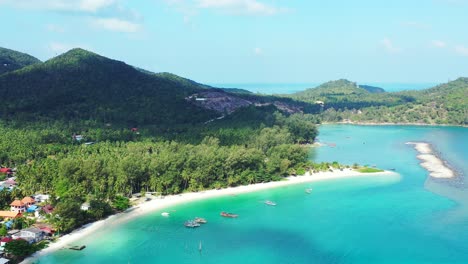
{"type": "Point", "coordinates": [95, 5]}
{"type": "Point", "coordinates": [389, 46]}
{"type": "Point", "coordinates": [232, 7]}
{"type": "Point", "coordinates": [115, 24]}
{"type": "Point", "coordinates": [62, 5]}
{"type": "Point", "coordinates": [462, 50]}
{"type": "Point", "coordinates": [240, 6]}
{"type": "Point", "coordinates": [258, 51]}
{"type": "Point", "coordinates": [55, 28]}
{"type": "Point", "coordinates": [439, 44]}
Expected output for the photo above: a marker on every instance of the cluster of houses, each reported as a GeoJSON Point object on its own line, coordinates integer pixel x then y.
{"type": "Point", "coordinates": [19, 208]}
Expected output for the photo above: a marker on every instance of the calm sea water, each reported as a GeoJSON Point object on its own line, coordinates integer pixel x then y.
{"type": "Point", "coordinates": [406, 219]}
{"type": "Point", "coordinates": [289, 88]}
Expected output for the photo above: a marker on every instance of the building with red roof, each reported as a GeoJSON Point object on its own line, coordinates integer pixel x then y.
{"type": "Point", "coordinates": [18, 206]}
{"type": "Point", "coordinates": [48, 209]}
{"type": "Point", "coordinates": [6, 170]}
{"type": "Point", "coordinates": [28, 201]}
{"type": "Point", "coordinates": [9, 214]}
{"type": "Point", "coordinates": [5, 240]}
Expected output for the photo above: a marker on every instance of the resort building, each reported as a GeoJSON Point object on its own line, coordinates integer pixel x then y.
{"type": "Point", "coordinates": [40, 198]}
{"type": "Point", "coordinates": [5, 240]}
{"type": "Point", "coordinates": [10, 214]}
{"type": "Point", "coordinates": [32, 235]}
{"type": "Point", "coordinates": [17, 206]}
{"type": "Point", "coordinates": [28, 201]}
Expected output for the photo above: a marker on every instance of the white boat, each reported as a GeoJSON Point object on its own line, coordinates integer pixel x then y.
{"type": "Point", "coordinates": [268, 202]}
{"type": "Point", "coordinates": [165, 214]}
{"type": "Point", "coordinates": [200, 220]}
{"type": "Point", "coordinates": [191, 224]}
{"type": "Point", "coordinates": [309, 190]}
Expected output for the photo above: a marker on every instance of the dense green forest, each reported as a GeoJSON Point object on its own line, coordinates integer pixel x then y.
{"type": "Point", "coordinates": [345, 100]}
{"type": "Point", "coordinates": [121, 162]}
{"type": "Point", "coordinates": [11, 60]}
{"type": "Point", "coordinates": [80, 85]}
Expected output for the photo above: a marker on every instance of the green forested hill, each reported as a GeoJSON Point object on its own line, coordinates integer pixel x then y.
{"type": "Point", "coordinates": [11, 60]}
{"type": "Point", "coordinates": [81, 85]}
{"type": "Point", "coordinates": [343, 94]}
{"type": "Point", "coordinates": [344, 100]}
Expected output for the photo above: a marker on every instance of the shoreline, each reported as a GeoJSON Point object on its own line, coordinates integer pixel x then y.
{"type": "Point", "coordinates": [392, 124]}
{"type": "Point", "coordinates": [436, 167]}
{"type": "Point", "coordinates": [173, 200]}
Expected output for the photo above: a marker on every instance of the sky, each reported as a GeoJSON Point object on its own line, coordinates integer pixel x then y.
{"type": "Point", "coordinates": [253, 41]}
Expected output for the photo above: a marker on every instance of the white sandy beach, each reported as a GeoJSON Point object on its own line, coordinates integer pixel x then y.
{"type": "Point", "coordinates": [171, 200]}
{"type": "Point", "coordinates": [431, 162]}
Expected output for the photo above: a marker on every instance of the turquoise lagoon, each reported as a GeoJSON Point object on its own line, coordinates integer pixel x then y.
{"type": "Point", "coordinates": [374, 219]}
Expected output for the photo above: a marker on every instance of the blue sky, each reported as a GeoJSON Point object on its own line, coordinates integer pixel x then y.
{"type": "Point", "coordinates": [235, 41]}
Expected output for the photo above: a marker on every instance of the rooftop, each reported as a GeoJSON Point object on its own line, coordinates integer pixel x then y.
{"type": "Point", "coordinates": [17, 203]}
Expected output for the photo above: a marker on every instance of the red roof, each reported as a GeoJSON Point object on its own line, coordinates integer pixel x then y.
{"type": "Point", "coordinates": [48, 209]}
{"type": "Point", "coordinates": [5, 170]}
{"type": "Point", "coordinates": [47, 230]}
{"type": "Point", "coordinates": [17, 203]}
{"type": "Point", "coordinates": [6, 240]}
{"type": "Point", "coordinates": [28, 199]}
{"type": "Point", "coordinates": [9, 214]}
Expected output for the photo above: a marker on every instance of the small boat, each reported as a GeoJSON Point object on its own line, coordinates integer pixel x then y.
{"type": "Point", "coordinates": [191, 224]}
{"type": "Point", "coordinates": [231, 215]}
{"type": "Point", "coordinates": [77, 247]}
{"type": "Point", "coordinates": [268, 202]}
{"type": "Point", "coordinates": [200, 246]}
{"type": "Point", "coordinates": [308, 190]}
{"type": "Point", "coordinates": [165, 214]}
{"type": "Point", "coordinates": [200, 220]}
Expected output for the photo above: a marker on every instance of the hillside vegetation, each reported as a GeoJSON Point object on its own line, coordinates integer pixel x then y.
{"type": "Point", "coordinates": [344, 100]}
{"type": "Point", "coordinates": [139, 132]}
{"type": "Point", "coordinates": [11, 60]}
{"type": "Point", "coordinates": [81, 85]}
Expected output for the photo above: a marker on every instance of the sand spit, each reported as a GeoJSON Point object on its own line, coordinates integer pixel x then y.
{"type": "Point", "coordinates": [431, 162]}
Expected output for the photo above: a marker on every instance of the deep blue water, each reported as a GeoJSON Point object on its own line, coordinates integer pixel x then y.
{"type": "Point", "coordinates": [377, 219]}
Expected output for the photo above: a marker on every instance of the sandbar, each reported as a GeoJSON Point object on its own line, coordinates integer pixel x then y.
{"type": "Point", "coordinates": [431, 162]}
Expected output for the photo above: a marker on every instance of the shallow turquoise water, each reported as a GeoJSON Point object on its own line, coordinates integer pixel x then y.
{"type": "Point", "coordinates": [406, 219]}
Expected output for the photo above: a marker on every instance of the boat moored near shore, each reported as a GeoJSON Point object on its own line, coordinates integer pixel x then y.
{"type": "Point", "coordinates": [230, 215]}
{"type": "Point", "coordinates": [200, 220]}
{"type": "Point", "coordinates": [191, 224]}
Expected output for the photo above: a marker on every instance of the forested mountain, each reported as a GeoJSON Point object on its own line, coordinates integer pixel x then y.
{"type": "Point", "coordinates": [343, 94]}
{"type": "Point", "coordinates": [11, 60]}
{"type": "Point", "coordinates": [344, 100]}
{"type": "Point", "coordinates": [81, 85]}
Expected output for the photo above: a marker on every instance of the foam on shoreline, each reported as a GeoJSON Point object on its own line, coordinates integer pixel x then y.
{"type": "Point", "coordinates": [172, 200]}
{"type": "Point", "coordinates": [431, 162]}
